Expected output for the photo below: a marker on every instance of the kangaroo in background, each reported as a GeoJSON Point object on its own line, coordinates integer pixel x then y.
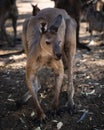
{"type": "Point", "coordinates": [8, 10]}
{"type": "Point", "coordinates": [49, 39]}
{"type": "Point", "coordinates": [35, 9]}
{"type": "Point", "coordinates": [95, 19]}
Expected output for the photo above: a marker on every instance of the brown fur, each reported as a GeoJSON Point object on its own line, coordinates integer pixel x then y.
{"type": "Point", "coordinates": [45, 37]}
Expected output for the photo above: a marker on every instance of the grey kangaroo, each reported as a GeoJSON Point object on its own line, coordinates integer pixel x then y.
{"type": "Point", "coordinates": [49, 39]}
{"type": "Point", "coordinates": [94, 18]}
{"type": "Point", "coordinates": [8, 10]}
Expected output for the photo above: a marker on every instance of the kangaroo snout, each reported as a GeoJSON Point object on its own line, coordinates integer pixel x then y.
{"type": "Point", "coordinates": [58, 56]}
{"type": "Point", "coordinates": [57, 50]}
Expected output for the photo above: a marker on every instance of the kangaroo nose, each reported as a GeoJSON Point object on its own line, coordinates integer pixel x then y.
{"type": "Point", "coordinates": [59, 55]}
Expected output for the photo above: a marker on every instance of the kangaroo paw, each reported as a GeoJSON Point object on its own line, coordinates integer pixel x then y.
{"type": "Point", "coordinates": [54, 113]}
{"type": "Point", "coordinates": [72, 109]}
{"type": "Point", "coordinates": [39, 122]}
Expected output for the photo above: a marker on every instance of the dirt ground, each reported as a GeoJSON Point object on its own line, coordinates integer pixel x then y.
{"type": "Point", "coordinates": [88, 83]}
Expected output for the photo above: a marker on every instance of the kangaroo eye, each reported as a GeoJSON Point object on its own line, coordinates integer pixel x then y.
{"type": "Point", "coordinates": [47, 42]}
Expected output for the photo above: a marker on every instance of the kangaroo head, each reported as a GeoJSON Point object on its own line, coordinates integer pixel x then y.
{"type": "Point", "coordinates": [51, 41]}
{"type": "Point", "coordinates": [35, 9]}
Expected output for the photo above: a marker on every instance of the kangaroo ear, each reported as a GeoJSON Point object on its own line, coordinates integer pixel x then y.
{"type": "Point", "coordinates": [56, 23]}
{"type": "Point", "coordinates": [43, 25]}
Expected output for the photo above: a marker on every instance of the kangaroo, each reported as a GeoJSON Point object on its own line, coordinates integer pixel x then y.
{"type": "Point", "coordinates": [94, 18]}
{"type": "Point", "coordinates": [49, 39]}
{"type": "Point", "coordinates": [8, 10]}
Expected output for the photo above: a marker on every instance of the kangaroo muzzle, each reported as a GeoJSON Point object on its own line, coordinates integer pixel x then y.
{"type": "Point", "coordinates": [57, 50]}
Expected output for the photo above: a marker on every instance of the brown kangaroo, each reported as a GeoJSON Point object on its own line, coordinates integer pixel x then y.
{"type": "Point", "coordinates": [49, 39]}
